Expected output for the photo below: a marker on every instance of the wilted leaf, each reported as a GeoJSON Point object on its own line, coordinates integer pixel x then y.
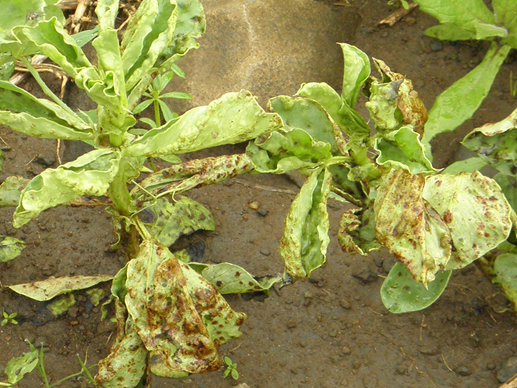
{"type": "Point", "coordinates": [231, 279]}
{"type": "Point", "coordinates": [50, 288]}
{"type": "Point", "coordinates": [357, 232]}
{"type": "Point", "coordinates": [10, 248]}
{"type": "Point", "coordinates": [304, 244]}
{"type": "Point", "coordinates": [179, 315]}
{"type": "Point", "coordinates": [496, 143]}
{"type": "Point", "coordinates": [459, 102]}
{"type": "Point", "coordinates": [409, 227]}
{"type": "Point", "coordinates": [61, 304]}
{"type": "Point", "coordinates": [475, 211]}
{"type": "Point", "coordinates": [10, 190]}
{"type": "Point", "coordinates": [172, 220]}
{"type": "Point", "coordinates": [233, 118]}
{"type": "Point", "coordinates": [400, 293]}
{"type": "Point", "coordinates": [18, 367]}
{"type": "Point", "coordinates": [90, 174]}
{"type": "Point", "coordinates": [125, 364]}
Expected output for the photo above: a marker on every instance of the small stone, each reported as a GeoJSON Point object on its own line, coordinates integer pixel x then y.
{"type": "Point", "coordinates": [365, 274]}
{"type": "Point", "coordinates": [245, 217]}
{"type": "Point", "coordinates": [291, 324]}
{"type": "Point", "coordinates": [490, 366]}
{"type": "Point", "coordinates": [228, 182]}
{"type": "Point", "coordinates": [429, 350]}
{"type": "Point", "coordinates": [265, 252]}
{"type": "Point", "coordinates": [356, 364]}
{"type": "Point", "coordinates": [370, 382]}
{"type": "Point", "coordinates": [419, 83]}
{"type": "Point", "coordinates": [262, 212]}
{"type": "Point", "coordinates": [346, 350]}
{"type": "Point", "coordinates": [401, 370]}
{"type": "Point", "coordinates": [345, 304]}
{"type": "Point", "coordinates": [384, 34]}
{"type": "Point", "coordinates": [253, 205]}
{"type": "Point", "coordinates": [333, 333]}
{"type": "Point", "coordinates": [46, 159]}
{"type": "Point", "coordinates": [507, 369]}
{"type": "Point", "coordinates": [436, 45]}
{"type": "Point", "coordinates": [318, 281]}
{"type": "Point", "coordinates": [303, 344]}
{"type": "Point", "coordinates": [463, 370]}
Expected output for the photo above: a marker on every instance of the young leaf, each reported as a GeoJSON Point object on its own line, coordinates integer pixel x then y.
{"type": "Point", "coordinates": [402, 149]}
{"type": "Point", "coordinates": [233, 118]}
{"type": "Point", "coordinates": [409, 227]}
{"type": "Point", "coordinates": [475, 211]}
{"type": "Point", "coordinates": [90, 174]}
{"type": "Point", "coordinates": [356, 72]}
{"type": "Point", "coordinates": [459, 102]}
{"type": "Point", "coordinates": [466, 165]}
{"type": "Point", "coordinates": [50, 288]}
{"type": "Point", "coordinates": [170, 221]}
{"type": "Point", "coordinates": [400, 293]}
{"type": "Point", "coordinates": [304, 244]}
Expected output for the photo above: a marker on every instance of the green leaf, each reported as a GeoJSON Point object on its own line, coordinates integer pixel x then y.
{"type": "Point", "coordinates": [475, 211]}
{"type": "Point", "coordinates": [178, 95]}
{"type": "Point", "coordinates": [505, 269]}
{"type": "Point", "coordinates": [10, 248]}
{"type": "Point", "coordinates": [508, 185]}
{"type": "Point", "coordinates": [90, 174]}
{"type": "Point", "coordinates": [231, 279]}
{"type": "Point", "coordinates": [506, 15]}
{"type": "Point", "coordinates": [466, 165]}
{"type": "Point", "coordinates": [402, 149]}
{"type": "Point", "coordinates": [449, 31]}
{"type": "Point", "coordinates": [50, 288]}
{"type": "Point", "coordinates": [86, 36]}
{"type": "Point", "coordinates": [23, 112]}
{"type": "Point", "coordinates": [61, 304]}
{"type": "Point", "coordinates": [149, 32]}
{"type": "Point", "coordinates": [179, 315]}
{"type": "Point", "coordinates": [107, 11]}
{"type": "Point", "coordinates": [234, 118]}
{"type": "Point", "coordinates": [409, 227]}
{"type": "Point", "coordinates": [466, 14]}
{"type": "Point", "coordinates": [496, 144]}
{"type": "Point", "coordinates": [356, 72]}
{"type": "Point", "coordinates": [18, 367]}
{"type": "Point", "coordinates": [484, 31]}
{"type": "Point", "coordinates": [142, 106]}
{"type": "Point", "coordinates": [126, 362]}
{"type": "Point", "coordinates": [306, 114]}
{"type": "Point", "coordinates": [400, 293]}
{"type": "Point", "coordinates": [459, 102]}
{"type": "Point", "coordinates": [304, 244]}
{"type": "Point", "coordinates": [173, 220]}
{"type": "Point", "coordinates": [281, 152]}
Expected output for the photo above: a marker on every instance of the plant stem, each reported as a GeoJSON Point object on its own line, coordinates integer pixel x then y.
{"type": "Point", "coordinates": [157, 113]}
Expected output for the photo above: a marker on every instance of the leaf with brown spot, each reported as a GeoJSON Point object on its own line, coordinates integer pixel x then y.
{"type": "Point", "coordinates": [409, 227]}
{"type": "Point", "coordinates": [174, 308]}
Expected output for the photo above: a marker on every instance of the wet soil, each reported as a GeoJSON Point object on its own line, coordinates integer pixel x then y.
{"type": "Point", "coordinates": [328, 331]}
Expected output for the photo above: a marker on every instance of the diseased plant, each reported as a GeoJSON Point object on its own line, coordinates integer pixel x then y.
{"type": "Point", "coordinates": [170, 312]}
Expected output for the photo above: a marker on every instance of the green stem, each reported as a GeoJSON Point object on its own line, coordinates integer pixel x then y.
{"type": "Point", "coordinates": [157, 113]}
{"type": "Point", "coordinates": [44, 86]}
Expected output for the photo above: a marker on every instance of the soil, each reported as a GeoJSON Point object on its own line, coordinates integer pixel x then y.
{"type": "Point", "coordinates": [328, 331]}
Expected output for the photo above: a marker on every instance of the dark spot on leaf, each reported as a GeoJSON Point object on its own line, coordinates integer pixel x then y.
{"type": "Point", "coordinates": [219, 283]}
{"type": "Point", "coordinates": [237, 274]}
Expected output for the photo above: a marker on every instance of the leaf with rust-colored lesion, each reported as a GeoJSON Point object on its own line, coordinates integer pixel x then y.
{"type": "Point", "coordinates": [357, 232]}
{"type": "Point", "coordinates": [180, 316]}
{"type": "Point", "coordinates": [409, 227]}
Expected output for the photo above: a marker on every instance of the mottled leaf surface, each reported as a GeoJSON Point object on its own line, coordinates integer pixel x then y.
{"type": "Point", "coordinates": [10, 190]}
{"type": "Point", "coordinates": [409, 227]}
{"type": "Point", "coordinates": [90, 174]}
{"type": "Point", "coordinates": [172, 220]}
{"type": "Point", "coordinates": [304, 244]}
{"type": "Point", "coordinates": [233, 118]}
{"type": "Point", "coordinates": [401, 293]}
{"type": "Point", "coordinates": [179, 315]}
{"type": "Point", "coordinates": [357, 232]}
{"type": "Point", "coordinates": [475, 211]}
{"type": "Point", "coordinates": [50, 288]}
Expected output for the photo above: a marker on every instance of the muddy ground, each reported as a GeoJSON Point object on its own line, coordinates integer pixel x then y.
{"type": "Point", "coordinates": [328, 331]}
